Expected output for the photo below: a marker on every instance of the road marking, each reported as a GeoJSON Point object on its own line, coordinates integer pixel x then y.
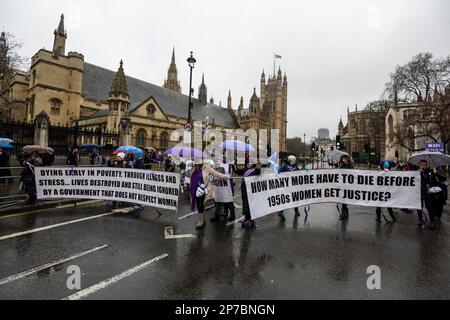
{"type": "Point", "coordinates": [18, 234]}
{"type": "Point", "coordinates": [47, 209]}
{"type": "Point", "coordinates": [168, 234]}
{"type": "Point", "coordinates": [48, 265]}
{"type": "Point", "coordinates": [207, 208]}
{"type": "Point", "coordinates": [101, 285]}
{"type": "Point", "coordinates": [234, 222]}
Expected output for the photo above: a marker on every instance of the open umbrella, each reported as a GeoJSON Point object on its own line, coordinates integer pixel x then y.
{"type": "Point", "coordinates": [130, 149]}
{"type": "Point", "coordinates": [434, 159]}
{"type": "Point", "coordinates": [38, 149]}
{"type": "Point", "coordinates": [90, 146]}
{"type": "Point", "coordinates": [186, 152]}
{"type": "Point", "coordinates": [236, 145]}
{"type": "Point", "coordinates": [335, 155]}
{"type": "Point", "coordinates": [6, 141]}
{"type": "Point", "coordinates": [6, 146]}
{"type": "Point", "coordinates": [149, 149]}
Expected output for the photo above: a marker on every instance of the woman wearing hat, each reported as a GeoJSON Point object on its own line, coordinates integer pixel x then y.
{"type": "Point", "coordinates": [201, 189]}
{"type": "Point", "coordinates": [386, 166]}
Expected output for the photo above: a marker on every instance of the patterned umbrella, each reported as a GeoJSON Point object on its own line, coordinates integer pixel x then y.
{"type": "Point", "coordinates": [38, 149]}
{"type": "Point", "coordinates": [130, 149]}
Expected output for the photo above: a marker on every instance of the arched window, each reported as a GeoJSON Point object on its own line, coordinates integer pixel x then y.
{"type": "Point", "coordinates": [154, 140]}
{"type": "Point", "coordinates": [151, 111]}
{"type": "Point", "coordinates": [391, 128]}
{"type": "Point", "coordinates": [164, 140]}
{"type": "Point", "coordinates": [55, 106]}
{"type": "Point", "coordinates": [141, 138]}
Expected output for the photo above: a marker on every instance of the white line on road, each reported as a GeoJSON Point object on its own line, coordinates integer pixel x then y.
{"type": "Point", "coordinates": [48, 209]}
{"type": "Point", "coordinates": [168, 234]}
{"type": "Point", "coordinates": [101, 285]}
{"type": "Point", "coordinates": [18, 234]}
{"type": "Point", "coordinates": [207, 208]}
{"type": "Point", "coordinates": [48, 265]}
{"type": "Point", "coordinates": [234, 222]}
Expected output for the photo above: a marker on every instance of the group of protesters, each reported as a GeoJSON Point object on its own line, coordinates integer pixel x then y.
{"type": "Point", "coordinates": [203, 172]}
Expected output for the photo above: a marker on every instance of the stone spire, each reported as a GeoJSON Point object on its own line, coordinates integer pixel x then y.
{"type": "Point", "coordinates": [241, 103]}
{"type": "Point", "coordinates": [229, 107]}
{"type": "Point", "coordinates": [203, 92]}
{"type": "Point", "coordinates": [172, 82]}
{"type": "Point", "coordinates": [59, 43]}
{"type": "Point", "coordinates": [119, 86]}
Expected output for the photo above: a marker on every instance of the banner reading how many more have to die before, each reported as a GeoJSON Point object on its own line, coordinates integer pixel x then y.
{"type": "Point", "coordinates": [272, 193]}
{"type": "Point", "coordinates": [144, 187]}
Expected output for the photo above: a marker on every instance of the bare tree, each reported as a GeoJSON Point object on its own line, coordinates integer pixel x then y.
{"type": "Point", "coordinates": [419, 79]}
{"type": "Point", "coordinates": [10, 62]}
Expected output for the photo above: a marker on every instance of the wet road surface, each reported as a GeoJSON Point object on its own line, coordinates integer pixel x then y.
{"type": "Point", "coordinates": [124, 255]}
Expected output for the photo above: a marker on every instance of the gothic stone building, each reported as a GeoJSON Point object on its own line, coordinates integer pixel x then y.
{"type": "Point", "coordinates": [73, 92]}
{"type": "Point", "coordinates": [363, 128]}
{"type": "Point", "coordinates": [269, 111]}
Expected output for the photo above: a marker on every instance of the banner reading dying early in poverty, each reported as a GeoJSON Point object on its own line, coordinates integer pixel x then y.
{"type": "Point", "coordinates": [148, 188]}
{"type": "Point", "coordinates": [271, 193]}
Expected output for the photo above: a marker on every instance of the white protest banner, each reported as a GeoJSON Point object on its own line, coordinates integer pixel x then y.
{"type": "Point", "coordinates": [148, 188]}
{"type": "Point", "coordinates": [271, 193]}
{"type": "Point", "coordinates": [222, 187]}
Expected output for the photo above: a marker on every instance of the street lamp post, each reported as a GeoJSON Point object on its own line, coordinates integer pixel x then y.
{"type": "Point", "coordinates": [191, 61]}
{"type": "Point", "coordinates": [304, 145]}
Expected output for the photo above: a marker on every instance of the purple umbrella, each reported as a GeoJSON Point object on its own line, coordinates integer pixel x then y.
{"type": "Point", "coordinates": [185, 152]}
{"type": "Point", "coordinates": [236, 145]}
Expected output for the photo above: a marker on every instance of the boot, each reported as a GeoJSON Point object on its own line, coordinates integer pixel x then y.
{"type": "Point", "coordinates": [378, 218]}
{"type": "Point", "coordinates": [232, 217]}
{"type": "Point", "coordinates": [200, 221]}
{"type": "Point", "coordinates": [215, 218]}
{"type": "Point", "coordinates": [297, 213]}
{"type": "Point", "coordinates": [281, 215]}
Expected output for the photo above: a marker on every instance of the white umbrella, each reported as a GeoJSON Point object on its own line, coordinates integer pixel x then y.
{"type": "Point", "coordinates": [434, 159]}
{"type": "Point", "coordinates": [335, 155]}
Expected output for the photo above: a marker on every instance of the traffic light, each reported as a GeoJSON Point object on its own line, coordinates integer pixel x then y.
{"type": "Point", "coordinates": [313, 146]}
{"type": "Point", "coordinates": [338, 142]}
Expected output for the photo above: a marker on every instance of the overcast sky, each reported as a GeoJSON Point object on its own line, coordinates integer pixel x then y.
{"type": "Point", "coordinates": [335, 53]}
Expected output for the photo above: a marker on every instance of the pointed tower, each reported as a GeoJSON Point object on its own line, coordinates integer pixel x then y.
{"type": "Point", "coordinates": [254, 102]}
{"type": "Point", "coordinates": [211, 100]}
{"type": "Point", "coordinates": [203, 92]}
{"type": "Point", "coordinates": [59, 44]}
{"type": "Point", "coordinates": [341, 128]}
{"type": "Point", "coordinates": [119, 99]}
{"type": "Point", "coordinates": [229, 107]}
{"type": "Point", "coordinates": [172, 82]}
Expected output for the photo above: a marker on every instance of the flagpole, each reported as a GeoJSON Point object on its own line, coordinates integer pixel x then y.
{"type": "Point", "coordinates": [274, 58]}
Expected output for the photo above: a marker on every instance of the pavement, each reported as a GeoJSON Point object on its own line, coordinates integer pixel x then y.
{"type": "Point", "coordinates": [125, 253]}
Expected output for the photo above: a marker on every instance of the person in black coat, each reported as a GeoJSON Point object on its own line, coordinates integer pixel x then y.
{"type": "Point", "coordinates": [249, 170]}
{"type": "Point", "coordinates": [345, 163]}
{"type": "Point", "coordinates": [4, 162]}
{"type": "Point", "coordinates": [27, 180]}
{"type": "Point", "coordinates": [289, 166]}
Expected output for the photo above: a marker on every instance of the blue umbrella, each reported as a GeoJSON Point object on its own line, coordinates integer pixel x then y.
{"type": "Point", "coordinates": [6, 146]}
{"type": "Point", "coordinates": [90, 146]}
{"type": "Point", "coordinates": [130, 149]}
{"type": "Point", "coordinates": [236, 145]}
{"type": "Point", "coordinates": [186, 152]}
{"type": "Point", "coordinates": [6, 141]}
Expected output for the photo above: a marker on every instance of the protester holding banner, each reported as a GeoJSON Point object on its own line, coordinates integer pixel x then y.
{"type": "Point", "coordinates": [289, 166]}
{"type": "Point", "coordinates": [345, 162]}
{"type": "Point", "coordinates": [73, 157]}
{"type": "Point", "coordinates": [223, 194]}
{"type": "Point", "coordinates": [249, 170]}
{"type": "Point", "coordinates": [118, 162]}
{"type": "Point", "coordinates": [386, 167]}
{"type": "Point", "coordinates": [201, 189]}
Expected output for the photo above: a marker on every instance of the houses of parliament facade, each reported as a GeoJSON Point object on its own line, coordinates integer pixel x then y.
{"type": "Point", "coordinates": [73, 92]}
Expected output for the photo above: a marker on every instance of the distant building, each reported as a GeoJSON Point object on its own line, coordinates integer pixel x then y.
{"type": "Point", "coordinates": [364, 133]}
{"type": "Point", "coordinates": [323, 133]}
